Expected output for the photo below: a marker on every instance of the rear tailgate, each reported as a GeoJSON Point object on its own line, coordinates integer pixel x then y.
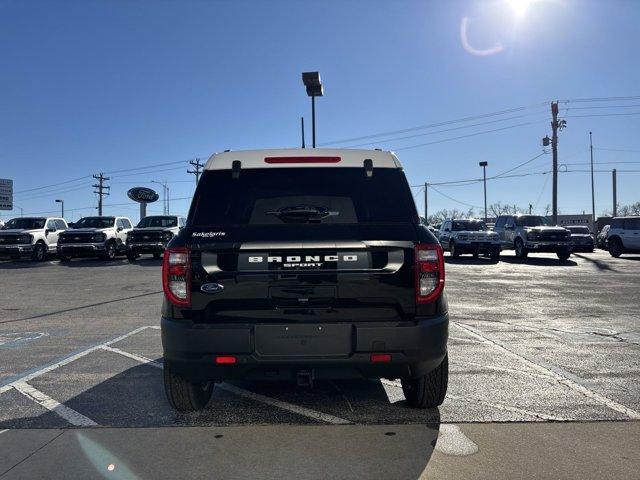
{"type": "Point", "coordinates": [324, 277]}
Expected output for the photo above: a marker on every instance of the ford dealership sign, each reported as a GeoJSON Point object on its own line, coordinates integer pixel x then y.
{"type": "Point", "coordinates": [142, 195]}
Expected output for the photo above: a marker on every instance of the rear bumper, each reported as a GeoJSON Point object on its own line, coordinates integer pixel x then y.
{"type": "Point", "coordinates": [416, 348]}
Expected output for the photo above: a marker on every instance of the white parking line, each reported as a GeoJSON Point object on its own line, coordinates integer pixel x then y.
{"type": "Point", "coordinates": [69, 359]}
{"type": "Point", "coordinates": [5, 430]}
{"type": "Point", "coordinates": [306, 412]}
{"type": "Point", "coordinates": [557, 373]}
{"type": "Point", "coordinates": [133, 356]}
{"type": "Point", "coordinates": [497, 406]}
{"type": "Point", "coordinates": [70, 415]}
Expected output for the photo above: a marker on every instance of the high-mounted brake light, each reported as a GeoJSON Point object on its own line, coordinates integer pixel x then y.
{"type": "Point", "coordinates": [225, 359]}
{"type": "Point", "coordinates": [429, 272]}
{"type": "Point", "coordinates": [302, 159]}
{"type": "Point", "coordinates": [176, 276]}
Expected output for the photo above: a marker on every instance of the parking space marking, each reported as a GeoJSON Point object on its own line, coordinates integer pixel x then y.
{"type": "Point", "coordinates": [7, 385]}
{"type": "Point", "coordinates": [70, 415]}
{"type": "Point", "coordinates": [496, 368]}
{"type": "Point", "coordinates": [241, 392]}
{"type": "Point", "coordinates": [558, 374]}
{"type": "Point", "coordinates": [5, 430]}
{"type": "Point", "coordinates": [497, 406]}
{"type": "Point", "coordinates": [132, 356]}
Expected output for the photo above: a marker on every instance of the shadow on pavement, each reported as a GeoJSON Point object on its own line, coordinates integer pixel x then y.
{"type": "Point", "coordinates": [470, 260]}
{"type": "Point", "coordinates": [539, 261]}
{"type": "Point", "coordinates": [240, 436]}
{"type": "Point", "coordinates": [598, 263]}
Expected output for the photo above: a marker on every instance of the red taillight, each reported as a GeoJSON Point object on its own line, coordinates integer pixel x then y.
{"type": "Point", "coordinates": [302, 159]}
{"type": "Point", "coordinates": [429, 272]}
{"type": "Point", "coordinates": [380, 357]}
{"type": "Point", "coordinates": [176, 276]}
{"type": "Point", "coordinates": [225, 360]}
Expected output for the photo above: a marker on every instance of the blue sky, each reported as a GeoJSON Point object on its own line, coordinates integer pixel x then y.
{"type": "Point", "coordinates": [93, 86]}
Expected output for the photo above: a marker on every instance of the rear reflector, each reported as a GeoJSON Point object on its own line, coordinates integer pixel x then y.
{"type": "Point", "coordinates": [302, 159]}
{"type": "Point", "coordinates": [225, 359]}
{"type": "Point", "coordinates": [380, 357]}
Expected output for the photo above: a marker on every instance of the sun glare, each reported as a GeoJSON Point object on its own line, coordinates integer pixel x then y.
{"type": "Point", "coordinates": [519, 7]}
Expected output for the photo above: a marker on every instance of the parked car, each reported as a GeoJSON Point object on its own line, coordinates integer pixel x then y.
{"type": "Point", "coordinates": [601, 239]}
{"type": "Point", "coordinates": [581, 239]}
{"type": "Point", "coordinates": [152, 234]}
{"type": "Point", "coordinates": [303, 264]}
{"type": "Point", "coordinates": [624, 236]}
{"type": "Point", "coordinates": [32, 237]}
{"type": "Point", "coordinates": [532, 234]}
{"type": "Point", "coordinates": [460, 236]}
{"type": "Point", "coordinates": [95, 236]}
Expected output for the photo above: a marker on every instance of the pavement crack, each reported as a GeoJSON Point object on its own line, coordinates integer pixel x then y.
{"type": "Point", "coordinates": [32, 454]}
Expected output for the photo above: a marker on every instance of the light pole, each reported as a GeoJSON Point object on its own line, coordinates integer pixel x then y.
{"type": "Point", "coordinates": [61, 202]}
{"type": "Point", "coordinates": [313, 85]}
{"type": "Point", "coordinates": [484, 174]}
{"type": "Point", "coordinates": [593, 195]}
{"type": "Point", "coordinates": [165, 193]}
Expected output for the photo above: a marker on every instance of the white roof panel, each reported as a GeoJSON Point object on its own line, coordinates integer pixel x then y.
{"type": "Point", "coordinates": [302, 157]}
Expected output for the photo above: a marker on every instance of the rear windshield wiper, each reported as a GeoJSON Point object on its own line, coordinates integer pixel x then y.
{"type": "Point", "coordinates": [302, 213]}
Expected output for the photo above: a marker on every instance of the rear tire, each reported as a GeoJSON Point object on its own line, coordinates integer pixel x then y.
{"type": "Point", "coordinates": [495, 255]}
{"type": "Point", "coordinates": [157, 255]}
{"type": "Point", "coordinates": [453, 250]}
{"type": "Point", "coordinates": [132, 257]}
{"type": "Point", "coordinates": [183, 395]}
{"type": "Point", "coordinates": [428, 391]}
{"type": "Point", "coordinates": [64, 258]}
{"type": "Point", "coordinates": [563, 256]}
{"type": "Point", "coordinates": [615, 247]}
{"type": "Point", "coordinates": [521, 250]}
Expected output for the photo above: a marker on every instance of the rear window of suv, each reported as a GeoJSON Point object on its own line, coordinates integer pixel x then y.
{"type": "Point", "coordinates": [281, 196]}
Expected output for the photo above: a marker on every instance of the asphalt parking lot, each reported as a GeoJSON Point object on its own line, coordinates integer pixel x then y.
{"type": "Point", "coordinates": [554, 345]}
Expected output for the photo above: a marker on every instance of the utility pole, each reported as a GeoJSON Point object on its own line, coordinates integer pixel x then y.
{"type": "Point", "coordinates": [426, 203]}
{"type": "Point", "coordinates": [484, 174]}
{"type": "Point", "coordinates": [302, 127]}
{"type": "Point", "coordinates": [102, 189]}
{"type": "Point", "coordinates": [197, 169]}
{"type": "Point", "coordinates": [554, 147]}
{"type": "Point", "coordinates": [530, 208]}
{"type": "Point", "coordinates": [593, 195]}
{"type": "Point", "coordinates": [615, 193]}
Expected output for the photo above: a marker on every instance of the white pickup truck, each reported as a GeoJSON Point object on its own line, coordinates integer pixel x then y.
{"type": "Point", "coordinates": [32, 237]}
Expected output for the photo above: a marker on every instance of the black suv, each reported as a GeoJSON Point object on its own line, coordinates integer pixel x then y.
{"type": "Point", "coordinates": [301, 265]}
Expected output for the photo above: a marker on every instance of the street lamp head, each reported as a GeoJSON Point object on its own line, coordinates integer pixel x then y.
{"type": "Point", "coordinates": [59, 201]}
{"type": "Point", "coordinates": [484, 164]}
{"type": "Point", "coordinates": [312, 83]}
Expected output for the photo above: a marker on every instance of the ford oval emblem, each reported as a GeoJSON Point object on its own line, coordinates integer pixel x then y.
{"type": "Point", "coordinates": [211, 288]}
{"type": "Point", "coordinates": [142, 195]}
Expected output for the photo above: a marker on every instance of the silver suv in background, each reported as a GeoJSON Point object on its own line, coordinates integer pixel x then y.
{"type": "Point", "coordinates": [468, 236]}
{"type": "Point", "coordinates": [532, 234]}
{"type": "Point", "coordinates": [95, 236]}
{"type": "Point", "coordinates": [624, 236]}
{"type": "Point", "coordinates": [32, 237]}
{"type": "Point", "coordinates": [152, 234]}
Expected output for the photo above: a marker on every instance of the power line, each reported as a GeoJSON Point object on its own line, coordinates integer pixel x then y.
{"type": "Point", "coordinates": [439, 131]}
{"type": "Point", "coordinates": [625, 114]}
{"type": "Point", "coordinates": [53, 184]}
{"type": "Point", "coordinates": [599, 99]}
{"type": "Point", "coordinates": [453, 199]}
{"type": "Point", "coordinates": [463, 136]}
{"type": "Point", "coordinates": [433, 125]}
